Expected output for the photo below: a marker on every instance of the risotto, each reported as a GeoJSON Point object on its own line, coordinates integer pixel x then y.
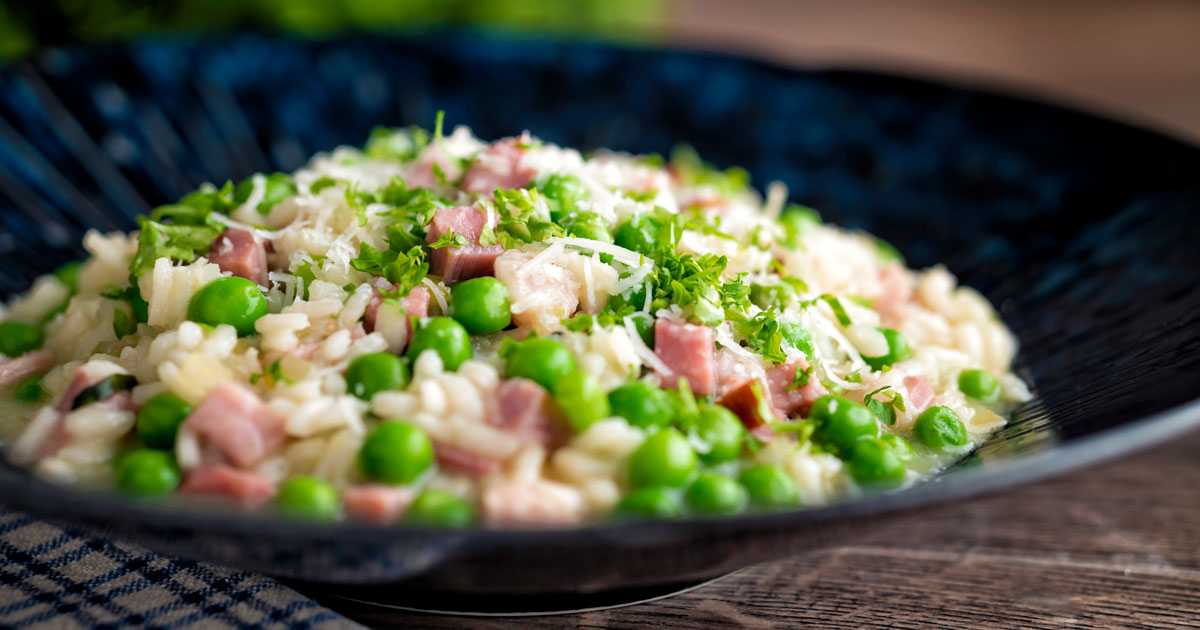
{"type": "Point", "coordinates": [439, 331]}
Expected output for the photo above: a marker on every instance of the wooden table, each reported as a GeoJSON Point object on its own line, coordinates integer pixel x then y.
{"type": "Point", "coordinates": [1116, 546]}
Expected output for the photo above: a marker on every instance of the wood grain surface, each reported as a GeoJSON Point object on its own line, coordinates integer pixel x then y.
{"type": "Point", "coordinates": [1138, 61]}
{"type": "Point", "coordinates": [1115, 546]}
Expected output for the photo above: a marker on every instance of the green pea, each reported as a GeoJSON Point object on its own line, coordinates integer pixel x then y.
{"type": "Point", "coordinates": [652, 502]}
{"type": "Point", "coordinates": [939, 427]}
{"type": "Point", "coordinates": [444, 336]}
{"type": "Point", "coordinates": [30, 390]}
{"type": "Point", "coordinates": [543, 361]}
{"type": "Point", "coordinates": [638, 234]}
{"type": "Point", "coordinates": [980, 385]}
{"type": "Point", "coordinates": [663, 459]}
{"type": "Point", "coordinates": [899, 445]}
{"type": "Point", "coordinates": [306, 498]}
{"type": "Point", "coordinates": [840, 422]}
{"type": "Point", "coordinates": [588, 225]}
{"type": "Point", "coordinates": [147, 473]}
{"type": "Point", "coordinates": [68, 274]}
{"type": "Point", "coordinates": [481, 305]}
{"type": "Point", "coordinates": [581, 399]}
{"type": "Point", "coordinates": [722, 431]}
{"type": "Point", "coordinates": [711, 493]}
{"type": "Point", "coordinates": [873, 462]}
{"type": "Point", "coordinates": [642, 404]}
{"type": "Point", "coordinates": [770, 487]}
{"type": "Point", "coordinates": [17, 338]}
{"type": "Point", "coordinates": [898, 350]}
{"type": "Point", "coordinates": [158, 420]}
{"type": "Point", "coordinates": [370, 374]}
{"type": "Point", "coordinates": [229, 300]}
{"type": "Point", "coordinates": [563, 193]}
{"type": "Point", "coordinates": [439, 508]}
{"type": "Point", "coordinates": [396, 452]}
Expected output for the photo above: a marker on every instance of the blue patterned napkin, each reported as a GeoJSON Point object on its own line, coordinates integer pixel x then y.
{"type": "Point", "coordinates": [54, 578]}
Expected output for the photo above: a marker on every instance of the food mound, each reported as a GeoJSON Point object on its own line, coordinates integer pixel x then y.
{"type": "Point", "coordinates": [442, 332]}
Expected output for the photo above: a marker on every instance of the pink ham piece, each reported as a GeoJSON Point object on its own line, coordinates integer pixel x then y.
{"type": "Point", "coordinates": [248, 488]}
{"type": "Point", "coordinates": [242, 254]}
{"type": "Point", "coordinates": [526, 409]}
{"type": "Point", "coordinates": [754, 413]}
{"type": "Point", "coordinates": [416, 303]}
{"type": "Point", "coordinates": [461, 263]}
{"type": "Point", "coordinates": [14, 371]}
{"type": "Point", "coordinates": [459, 460]}
{"type": "Point", "coordinates": [500, 166]}
{"type": "Point", "coordinates": [377, 503]}
{"type": "Point", "coordinates": [688, 352]}
{"type": "Point", "coordinates": [896, 290]}
{"type": "Point", "coordinates": [920, 392]}
{"type": "Point", "coordinates": [787, 399]}
{"type": "Point", "coordinates": [87, 375]}
{"type": "Point", "coordinates": [234, 421]}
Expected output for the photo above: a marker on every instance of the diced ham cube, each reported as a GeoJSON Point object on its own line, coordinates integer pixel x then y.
{"type": "Point", "coordinates": [920, 392]}
{"type": "Point", "coordinates": [500, 166]}
{"type": "Point", "coordinates": [896, 290]}
{"type": "Point", "coordinates": [787, 399]}
{"type": "Point", "coordinates": [242, 254]}
{"type": "Point", "coordinates": [460, 460]}
{"type": "Point", "coordinates": [416, 303]}
{"type": "Point", "coordinates": [16, 370]}
{"type": "Point", "coordinates": [688, 352]}
{"type": "Point", "coordinates": [237, 423]}
{"type": "Point", "coordinates": [87, 375]}
{"type": "Point", "coordinates": [248, 488]}
{"type": "Point", "coordinates": [755, 413]}
{"type": "Point", "coordinates": [537, 503]}
{"type": "Point", "coordinates": [461, 263]}
{"type": "Point", "coordinates": [377, 503]}
{"type": "Point", "coordinates": [525, 408]}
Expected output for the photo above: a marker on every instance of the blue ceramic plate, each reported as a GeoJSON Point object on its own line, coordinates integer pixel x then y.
{"type": "Point", "coordinates": [1082, 232]}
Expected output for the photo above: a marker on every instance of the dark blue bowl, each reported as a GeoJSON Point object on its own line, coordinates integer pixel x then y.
{"type": "Point", "coordinates": [1081, 230]}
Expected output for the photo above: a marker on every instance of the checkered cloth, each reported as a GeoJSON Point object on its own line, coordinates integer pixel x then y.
{"type": "Point", "coordinates": [56, 578]}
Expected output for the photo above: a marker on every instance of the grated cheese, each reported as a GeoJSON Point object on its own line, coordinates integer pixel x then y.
{"type": "Point", "coordinates": [627, 257]}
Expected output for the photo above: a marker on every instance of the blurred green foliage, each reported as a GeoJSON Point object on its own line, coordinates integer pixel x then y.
{"type": "Point", "coordinates": [26, 25]}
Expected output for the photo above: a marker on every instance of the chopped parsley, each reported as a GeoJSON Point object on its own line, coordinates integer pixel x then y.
{"type": "Point", "coordinates": [450, 239]}
{"type": "Point", "coordinates": [396, 144]}
{"type": "Point", "coordinates": [123, 324]}
{"type": "Point", "coordinates": [693, 171]}
{"type": "Point", "coordinates": [802, 376]}
{"type": "Point", "coordinates": [403, 269]}
{"type": "Point", "coordinates": [274, 374]}
{"type": "Point", "coordinates": [885, 410]}
{"type": "Point", "coordinates": [838, 311]}
{"type": "Point", "coordinates": [176, 242]}
{"type": "Point", "coordinates": [522, 217]}
{"type": "Point", "coordinates": [323, 183]}
{"type": "Point", "coordinates": [277, 187]}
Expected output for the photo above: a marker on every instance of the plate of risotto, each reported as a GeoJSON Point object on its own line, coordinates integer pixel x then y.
{"type": "Point", "coordinates": [432, 350]}
{"type": "Point", "coordinates": [441, 330]}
